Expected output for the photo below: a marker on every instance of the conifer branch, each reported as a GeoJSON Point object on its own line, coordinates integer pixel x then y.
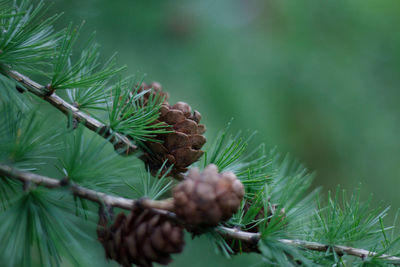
{"type": "Point", "coordinates": [340, 250]}
{"type": "Point", "coordinates": [119, 141]}
{"type": "Point", "coordinates": [166, 207]}
{"type": "Point", "coordinates": [313, 246]}
{"type": "Point", "coordinates": [98, 197]}
{"type": "Point", "coordinates": [239, 235]}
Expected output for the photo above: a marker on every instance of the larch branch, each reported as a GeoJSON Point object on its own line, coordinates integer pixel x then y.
{"type": "Point", "coordinates": [314, 246]}
{"type": "Point", "coordinates": [166, 208]}
{"type": "Point", "coordinates": [119, 141]}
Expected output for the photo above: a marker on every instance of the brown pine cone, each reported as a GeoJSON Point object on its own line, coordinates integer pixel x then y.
{"type": "Point", "coordinates": [141, 238]}
{"type": "Point", "coordinates": [207, 198]}
{"type": "Point", "coordinates": [247, 247]}
{"type": "Point", "coordinates": [182, 146]}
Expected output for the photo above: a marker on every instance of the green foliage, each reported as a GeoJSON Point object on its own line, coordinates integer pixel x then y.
{"type": "Point", "coordinates": [129, 114]}
{"type": "Point", "coordinates": [276, 253]}
{"type": "Point", "coordinates": [27, 39]}
{"type": "Point", "coordinates": [7, 190]}
{"type": "Point", "coordinates": [288, 190]}
{"type": "Point", "coordinates": [227, 150]}
{"type": "Point", "coordinates": [290, 207]}
{"type": "Point", "coordinates": [41, 221]}
{"type": "Point", "coordinates": [23, 142]}
{"type": "Point", "coordinates": [87, 73]}
{"type": "Point", "coordinates": [91, 98]}
{"type": "Point", "coordinates": [6, 10]}
{"type": "Point", "coordinates": [246, 217]}
{"type": "Point", "coordinates": [219, 242]}
{"type": "Point", "coordinates": [348, 222]}
{"type": "Point", "coordinates": [88, 161]}
{"type": "Point", "coordinates": [229, 153]}
{"type": "Point", "coordinates": [152, 187]}
{"type": "Point", "coordinates": [9, 94]}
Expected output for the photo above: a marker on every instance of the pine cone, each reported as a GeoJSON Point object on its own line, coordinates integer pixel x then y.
{"type": "Point", "coordinates": [183, 146]}
{"type": "Point", "coordinates": [207, 198]}
{"type": "Point", "coordinates": [141, 238]}
{"type": "Point", "coordinates": [243, 246]}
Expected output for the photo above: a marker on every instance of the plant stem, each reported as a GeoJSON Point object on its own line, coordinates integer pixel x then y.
{"type": "Point", "coordinates": [314, 246]}
{"type": "Point", "coordinates": [80, 191]}
{"type": "Point", "coordinates": [361, 253]}
{"type": "Point", "coordinates": [166, 208]}
{"type": "Point", "coordinates": [119, 141]}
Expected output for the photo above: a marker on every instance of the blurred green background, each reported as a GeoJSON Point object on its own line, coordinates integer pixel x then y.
{"type": "Point", "coordinates": [317, 79]}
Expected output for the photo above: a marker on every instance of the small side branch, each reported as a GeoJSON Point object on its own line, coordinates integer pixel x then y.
{"type": "Point", "coordinates": [361, 253]}
{"type": "Point", "coordinates": [166, 207]}
{"type": "Point", "coordinates": [118, 140]}
{"type": "Point", "coordinates": [314, 246]}
{"type": "Point", "coordinates": [238, 234]}
{"type": "Point", "coordinates": [28, 177]}
{"type": "Point", "coordinates": [80, 191]}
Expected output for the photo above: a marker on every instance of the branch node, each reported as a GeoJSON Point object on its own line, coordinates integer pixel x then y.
{"type": "Point", "coordinates": [140, 203]}
{"type": "Point", "coordinates": [20, 89]}
{"type": "Point", "coordinates": [363, 257]}
{"type": "Point", "coordinates": [49, 90]}
{"type": "Point", "coordinates": [76, 105]}
{"type": "Point", "coordinates": [65, 181]}
{"type": "Point", "coordinates": [105, 130]}
{"type": "Point", "coordinates": [340, 253]}
{"type": "Point", "coordinates": [254, 240]}
{"type": "Point", "coordinates": [122, 148]}
{"type": "Point", "coordinates": [27, 185]}
{"type": "Point", "coordinates": [72, 123]}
